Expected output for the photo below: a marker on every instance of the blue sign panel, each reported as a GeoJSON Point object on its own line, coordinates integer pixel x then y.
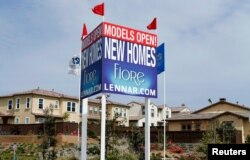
{"type": "Point", "coordinates": [121, 60]}
{"type": "Point", "coordinates": [91, 73]}
{"type": "Point", "coordinates": [160, 51]}
{"type": "Point", "coordinates": [129, 68]}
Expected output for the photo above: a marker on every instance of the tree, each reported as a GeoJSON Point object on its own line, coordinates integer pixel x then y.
{"type": "Point", "coordinates": [137, 142]}
{"type": "Point", "coordinates": [48, 138]}
{"type": "Point", "coordinates": [209, 137]}
{"type": "Point", "coordinates": [66, 116]}
{"type": "Point", "coordinates": [247, 139]}
{"type": "Point", "coordinates": [227, 132]}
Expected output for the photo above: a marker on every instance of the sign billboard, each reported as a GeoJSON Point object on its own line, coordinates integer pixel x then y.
{"type": "Point", "coordinates": [121, 60]}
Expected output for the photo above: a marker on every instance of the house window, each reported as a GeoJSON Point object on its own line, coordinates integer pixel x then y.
{"type": "Point", "coordinates": [18, 103]}
{"type": "Point", "coordinates": [95, 110]}
{"type": "Point", "coordinates": [56, 104]}
{"type": "Point", "coordinates": [117, 112]}
{"type": "Point", "coordinates": [71, 106]}
{"type": "Point", "coordinates": [73, 109]}
{"type": "Point", "coordinates": [10, 103]}
{"type": "Point", "coordinates": [228, 123]}
{"type": "Point", "coordinates": [40, 120]}
{"type": "Point", "coordinates": [27, 102]}
{"type": "Point", "coordinates": [186, 127]}
{"type": "Point", "coordinates": [40, 103]}
{"type": "Point", "coordinates": [197, 126]}
{"type": "Point", "coordinates": [17, 121]}
{"type": "Point", "coordinates": [167, 114]}
{"type": "Point", "coordinates": [90, 110]}
{"type": "Point", "coordinates": [27, 120]}
{"type": "Point", "coordinates": [152, 113]}
{"type": "Point", "coordinates": [68, 106]}
{"type": "Point", "coordinates": [124, 113]}
{"type": "Point", "coordinates": [143, 110]}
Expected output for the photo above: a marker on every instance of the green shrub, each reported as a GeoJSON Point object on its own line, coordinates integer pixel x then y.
{"type": "Point", "coordinates": [156, 156]}
{"type": "Point", "coordinates": [91, 134]}
{"type": "Point", "coordinates": [95, 150]}
{"type": "Point", "coordinates": [247, 139]}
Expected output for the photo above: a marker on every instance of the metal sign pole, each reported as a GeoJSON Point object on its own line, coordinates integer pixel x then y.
{"type": "Point", "coordinates": [84, 129]}
{"type": "Point", "coordinates": [147, 128]}
{"type": "Point", "coordinates": [103, 127]}
{"type": "Point", "coordinates": [165, 114]}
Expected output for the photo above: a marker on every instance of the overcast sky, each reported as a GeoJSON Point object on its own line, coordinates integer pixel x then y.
{"type": "Point", "coordinates": [208, 45]}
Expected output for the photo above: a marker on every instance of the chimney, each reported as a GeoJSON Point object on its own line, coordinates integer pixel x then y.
{"type": "Point", "coordinates": [222, 99]}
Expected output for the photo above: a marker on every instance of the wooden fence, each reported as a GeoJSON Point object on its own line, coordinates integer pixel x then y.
{"type": "Point", "coordinates": [66, 128]}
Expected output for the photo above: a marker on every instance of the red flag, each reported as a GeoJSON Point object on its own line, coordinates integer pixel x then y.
{"type": "Point", "coordinates": [99, 9]}
{"type": "Point", "coordinates": [153, 24]}
{"type": "Point", "coordinates": [84, 31]}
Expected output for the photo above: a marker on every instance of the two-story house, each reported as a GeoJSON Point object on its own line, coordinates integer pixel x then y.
{"type": "Point", "coordinates": [163, 113]}
{"type": "Point", "coordinates": [28, 107]}
{"type": "Point", "coordinates": [137, 114]}
{"type": "Point", "coordinates": [115, 110]}
{"type": "Point", "coordinates": [220, 112]}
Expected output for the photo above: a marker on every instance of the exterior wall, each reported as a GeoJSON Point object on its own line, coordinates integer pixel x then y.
{"type": "Point", "coordinates": [240, 124]}
{"type": "Point", "coordinates": [174, 125]}
{"type": "Point", "coordinates": [169, 112]}
{"type": "Point", "coordinates": [73, 116]}
{"type": "Point", "coordinates": [123, 111]}
{"type": "Point", "coordinates": [47, 101]}
{"type": "Point", "coordinates": [3, 104]}
{"type": "Point", "coordinates": [20, 113]}
{"type": "Point", "coordinates": [95, 114]}
{"type": "Point", "coordinates": [246, 124]}
{"type": "Point", "coordinates": [155, 119]}
{"type": "Point", "coordinates": [162, 113]}
{"type": "Point", "coordinates": [140, 122]}
{"type": "Point", "coordinates": [177, 125]}
{"type": "Point", "coordinates": [24, 112]}
{"type": "Point", "coordinates": [135, 109]}
{"type": "Point", "coordinates": [237, 122]}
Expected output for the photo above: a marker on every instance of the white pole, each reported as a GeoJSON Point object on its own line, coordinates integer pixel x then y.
{"type": "Point", "coordinates": [164, 118]}
{"type": "Point", "coordinates": [103, 127]}
{"type": "Point", "coordinates": [147, 128]}
{"type": "Point", "coordinates": [79, 119]}
{"type": "Point", "coordinates": [84, 128]}
{"type": "Point", "coordinates": [84, 116]}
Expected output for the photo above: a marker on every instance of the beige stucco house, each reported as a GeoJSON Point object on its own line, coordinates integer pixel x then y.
{"type": "Point", "coordinates": [114, 110]}
{"type": "Point", "coordinates": [137, 114]}
{"type": "Point", "coordinates": [28, 107]}
{"type": "Point", "coordinates": [221, 112]}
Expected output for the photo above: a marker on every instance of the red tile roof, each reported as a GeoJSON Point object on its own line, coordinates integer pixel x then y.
{"type": "Point", "coordinates": [41, 92]}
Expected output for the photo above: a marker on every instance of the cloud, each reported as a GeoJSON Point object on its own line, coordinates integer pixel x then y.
{"type": "Point", "coordinates": [207, 45]}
